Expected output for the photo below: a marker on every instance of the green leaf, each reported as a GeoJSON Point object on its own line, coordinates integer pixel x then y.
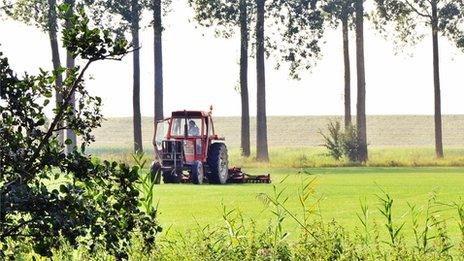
{"type": "Point", "coordinates": [63, 189]}
{"type": "Point", "coordinates": [40, 122]}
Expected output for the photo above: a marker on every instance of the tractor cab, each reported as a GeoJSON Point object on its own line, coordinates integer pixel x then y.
{"type": "Point", "coordinates": [192, 130]}
{"type": "Point", "coordinates": [188, 150]}
{"type": "Point", "coordinates": [186, 142]}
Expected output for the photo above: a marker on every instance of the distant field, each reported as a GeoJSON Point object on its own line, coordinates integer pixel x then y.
{"type": "Point", "coordinates": [302, 131]}
{"type": "Point", "coordinates": [295, 141]}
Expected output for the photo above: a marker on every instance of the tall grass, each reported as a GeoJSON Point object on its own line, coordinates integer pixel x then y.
{"type": "Point", "coordinates": [319, 239]}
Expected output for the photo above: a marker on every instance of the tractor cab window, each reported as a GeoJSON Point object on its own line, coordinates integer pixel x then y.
{"type": "Point", "coordinates": [161, 132]}
{"type": "Point", "coordinates": [177, 128]}
{"type": "Point", "coordinates": [193, 127]}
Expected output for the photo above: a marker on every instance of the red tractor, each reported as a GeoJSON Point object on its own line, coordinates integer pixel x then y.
{"type": "Point", "coordinates": [187, 149]}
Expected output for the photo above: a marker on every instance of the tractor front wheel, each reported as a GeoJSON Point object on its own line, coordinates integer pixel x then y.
{"type": "Point", "coordinates": [197, 173]}
{"type": "Point", "coordinates": [171, 176]}
{"type": "Point", "coordinates": [218, 162]}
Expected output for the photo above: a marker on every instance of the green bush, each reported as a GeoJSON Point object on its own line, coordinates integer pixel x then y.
{"type": "Point", "coordinates": [334, 140]}
{"type": "Point", "coordinates": [350, 144]}
{"type": "Point", "coordinates": [341, 143]}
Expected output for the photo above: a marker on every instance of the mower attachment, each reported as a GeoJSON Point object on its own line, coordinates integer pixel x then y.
{"type": "Point", "coordinates": [237, 176]}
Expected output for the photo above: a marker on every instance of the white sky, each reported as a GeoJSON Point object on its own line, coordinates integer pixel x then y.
{"type": "Point", "coordinates": [201, 70]}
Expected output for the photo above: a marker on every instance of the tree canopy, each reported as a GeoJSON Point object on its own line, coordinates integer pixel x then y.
{"type": "Point", "coordinates": [300, 27]}
{"type": "Point", "coordinates": [408, 16]}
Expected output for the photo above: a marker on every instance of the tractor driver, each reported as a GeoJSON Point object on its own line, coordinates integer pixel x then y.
{"type": "Point", "coordinates": [193, 129]}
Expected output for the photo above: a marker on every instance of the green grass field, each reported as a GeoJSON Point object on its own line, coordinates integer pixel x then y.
{"type": "Point", "coordinates": [402, 162]}
{"type": "Point", "coordinates": [183, 207]}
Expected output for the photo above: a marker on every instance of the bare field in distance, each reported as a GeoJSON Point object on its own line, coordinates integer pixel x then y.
{"type": "Point", "coordinates": [302, 131]}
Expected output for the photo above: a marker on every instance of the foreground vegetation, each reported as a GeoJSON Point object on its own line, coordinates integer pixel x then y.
{"type": "Point", "coordinates": [46, 193]}
{"type": "Point", "coordinates": [318, 214]}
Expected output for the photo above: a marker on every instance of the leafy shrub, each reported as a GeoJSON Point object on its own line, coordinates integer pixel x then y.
{"type": "Point", "coordinates": [342, 143]}
{"type": "Point", "coordinates": [351, 143]}
{"type": "Point", "coordinates": [334, 140]}
{"type": "Point", "coordinates": [44, 192]}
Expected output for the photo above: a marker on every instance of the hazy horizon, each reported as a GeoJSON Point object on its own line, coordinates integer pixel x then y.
{"type": "Point", "coordinates": [321, 115]}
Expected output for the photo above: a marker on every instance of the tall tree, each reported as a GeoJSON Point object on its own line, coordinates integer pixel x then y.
{"type": "Point", "coordinates": [137, 117]}
{"type": "Point", "coordinates": [158, 59]}
{"type": "Point", "coordinates": [296, 28]}
{"type": "Point", "coordinates": [244, 39]}
{"type": "Point", "coordinates": [70, 64]}
{"type": "Point", "coordinates": [361, 83]}
{"type": "Point", "coordinates": [52, 33]}
{"type": "Point", "coordinates": [43, 15]}
{"type": "Point", "coordinates": [342, 11]}
{"type": "Point", "coordinates": [443, 17]}
{"type": "Point", "coordinates": [262, 153]}
{"type": "Point", "coordinates": [123, 16]}
{"type": "Point", "coordinates": [226, 16]}
{"type": "Point", "coordinates": [299, 25]}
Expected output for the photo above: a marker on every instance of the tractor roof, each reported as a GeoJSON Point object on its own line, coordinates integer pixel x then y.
{"type": "Point", "coordinates": [190, 114]}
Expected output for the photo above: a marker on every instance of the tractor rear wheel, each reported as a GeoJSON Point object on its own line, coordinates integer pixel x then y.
{"type": "Point", "coordinates": [171, 176]}
{"type": "Point", "coordinates": [218, 162]}
{"type": "Point", "coordinates": [197, 173]}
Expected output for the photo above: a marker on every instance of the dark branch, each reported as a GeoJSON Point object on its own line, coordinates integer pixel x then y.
{"type": "Point", "coordinates": [59, 115]}
{"type": "Point", "coordinates": [14, 229]}
{"type": "Point", "coordinates": [417, 11]}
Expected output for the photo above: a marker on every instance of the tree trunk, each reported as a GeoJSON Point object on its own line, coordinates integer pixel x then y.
{"type": "Point", "coordinates": [158, 51]}
{"type": "Point", "coordinates": [436, 83]}
{"type": "Point", "coordinates": [137, 118]}
{"type": "Point", "coordinates": [262, 153]}
{"type": "Point", "coordinates": [361, 101]}
{"type": "Point", "coordinates": [70, 63]}
{"type": "Point", "coordinates": [346, 60]}
{"type": "Point", "coordinates": [245, 127]}
{"type": "Point", "coordinates": [52, 33]}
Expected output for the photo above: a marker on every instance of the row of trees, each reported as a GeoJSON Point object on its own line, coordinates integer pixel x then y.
{"type": "Point", "coordinates": [300, 24]}
{"type": "Point", "coordinates": [295, 28]}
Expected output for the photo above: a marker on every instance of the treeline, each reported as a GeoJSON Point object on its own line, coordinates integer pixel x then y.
{"type": "Point", "coordinates": [296, 30]}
